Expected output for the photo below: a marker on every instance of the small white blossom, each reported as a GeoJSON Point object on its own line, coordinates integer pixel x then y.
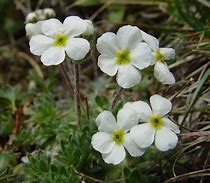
{"type": "Point", "coordinates": [31, 17]}
{"type": "Point", "coordinates": [113, 137]}
{"type": "Point", "coordinates": [33, 29]}
{"type": "Point", "coordinates": [90, 28]}
{"type": "Point", "coordinates": [161, 70]}
{"type": "Point", "coordinates": [59, 38]}
{"type": "Point", "coordinates": [123, 54]}
{"type": "Point", "coordinates": [49, 12]}
{"type": "Point", "coordinates": [156, 127]}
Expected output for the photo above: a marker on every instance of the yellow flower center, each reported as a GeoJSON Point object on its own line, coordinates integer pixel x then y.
{"type": "Point", "coordinates": [123, 57]}
{"type": "Point", "coordinates": [156, 121]}
{"type": "Point", "coordinates": [60, 40]}
{"type": "Point", "coordinates": [118, 136]}
{"type": "Point", "coordinates": [159, 56]}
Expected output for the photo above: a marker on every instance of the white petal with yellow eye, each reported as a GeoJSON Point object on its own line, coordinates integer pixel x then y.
{"type": "Point", "coordinates": [141, 56]}
{"type": "Point", "coordinates": [168, 53]}
{"type": "Point", "coordinates": [132, 147]}
{"type": "Point", "coordinates": [160, 105]}
{"type": "Point", "coordinates": [74, 26]}
{"type": "Point", "coordinates": [106, 122]}
{"type": "Point", "coordinates": [128, 76]}
{"type": "Point", "coordinates": [102, 142]}
{"type": "Point", "coordinates": [129, 37]}
{"type": "Point", "coordinates": [53, 56]}
{"type": "Point", "coordinates": [107, 64]}
{"type": "Point", "coordinates": [39, 44]}
{"type": "Point", "coordinates": [150, 40]}
{"type": "Point", "coordinates": [116, 156]}
{"type": "Point", "coordinates": [142, 109]}
{"type": "Point", "coordinates": [143, 135]}
{"type": "Point", "coordinates": [52, 27]}
{"type": "Point", "coordinates": [126, 119]}
{"type": "Point", "coordinates": [165, 139]}
{"type": "Point", "coordinates": [162, 73]}
{"type": "Point", "coordinates": [107, 44]}
{"type": "Point", "coordinates": [172, 126]}
{"type": "Point", "coordinates": [77, 48]}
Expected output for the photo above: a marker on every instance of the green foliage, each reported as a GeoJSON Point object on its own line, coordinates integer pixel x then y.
{"type": "Point", "coordinates": [195, 14]}
{"type": "Point", "coordinates": [49, 146]}
{"type": "Point", "coordinates": [102, 102]}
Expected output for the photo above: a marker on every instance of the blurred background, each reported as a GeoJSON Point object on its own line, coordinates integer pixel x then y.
{"type": "Point", "coordinates": [39, 139]}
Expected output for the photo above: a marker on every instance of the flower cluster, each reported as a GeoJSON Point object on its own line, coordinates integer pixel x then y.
{"type": "Point", "coordinates": [35, 19]}
{"type": "Point", "coordinates": [130, 50]}
{"type": "Point", "coordinates": [154, 126]}
{"type": "Point", "coordinates": [123, 54]}
{"type": "Point", "coordinates": [55, 39]}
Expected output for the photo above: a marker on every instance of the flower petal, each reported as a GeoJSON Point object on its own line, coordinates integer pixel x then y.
{"type": "Point", "coordinates": [128, 76]}
{"type": "Point", "coordinates": [150, 40]}
{"type": "Point", "coordinates": [141, 56]}
{"type": "Point", "coordinates": [129, 37]}
{"type": "Point", "coordinates": [162, 73]}
{"type": "Point", "coordinates": [107, 65]}
{"type": "Point", "coordinates": [132, 147]}
{"type": "Point", "coordinates": [52, 27]}
{"type": "Point", "coordinates": [77, 48]}
{"type": "Point", "coordinates": [102, 142]}
{"type": "Point", "coordinates": [116, 156]}
{"type": "Point", "coordinates": [53, 56]}
{"type": "Point", "coordinates": [39, 44]}
{"type": "Point", "coordinates": [107, 44]}
{"type": "Point", "coordinates": [74, 26]}
{"type": "Point", "coordinates": [126, 119]}
{"type": "Point", "coordinates": [33, 29]}
{"type": "Point", "coordinates": [143, 135]}
{"type": "Point", "coordinates": [169, 53]}
{"type": "Point", "coordinates": [172, 126]}
{"type": "Point", "coordinates": [165, 139]}
{"type": "Point", "coordinates": [160, 105]}
{"type": "Point", "coordinates": [106, 122]}
{"type": "Point", "coordinates": [90, 28]}
{"type": "Point", "coordinates": [142, 109]}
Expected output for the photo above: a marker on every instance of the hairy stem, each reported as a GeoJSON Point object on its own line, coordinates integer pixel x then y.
{"type": "Point", "coordinates": [77, 92]}
{"type": "Point", "coordinates": [117, 97]}
{"type": "Point", "coordinates": [66, 79]}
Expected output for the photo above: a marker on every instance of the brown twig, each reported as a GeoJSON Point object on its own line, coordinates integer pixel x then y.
{"type": "Point", "coordinates": [117, 97]}
{"type": "Point", "coordinates": [18, 116]}
{"type": "Point", "coordinates": [198, 173]}
{"type": "Point", "coordinates": [66, 79]}
{"type": "Point", "coordinates": [85, 99]}
{"type": "Point", "coordinates": [194, 134]}
{"type": "Point", "coordinates": [77, 92]}
{"type": "Point", "coordinates": [84, 176]}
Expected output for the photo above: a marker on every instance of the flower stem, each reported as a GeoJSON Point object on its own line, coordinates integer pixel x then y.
{"type": "Point", "coordinates": [117, 97]}
{"type": "Point", "coordinates": [77, 92]}
{"type": "Point", "coordinates": [66, 79]}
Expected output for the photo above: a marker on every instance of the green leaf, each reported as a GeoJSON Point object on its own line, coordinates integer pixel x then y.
{"type": "Point", "coordinates": [102, 101]}
{"type": "Point", "coordinates": [8, 93]}
{"type": "Point", "coordinates": [116, 13]}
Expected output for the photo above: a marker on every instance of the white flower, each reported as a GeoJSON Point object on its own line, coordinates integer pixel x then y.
{"type": "Point", "coordinates": [161, 70]}
{"type": "Point", "coordinates": [31, 17]}
{"type": "Point", "coordinates": [59, 38]}
{"type": "Point", "coordinates": [90, 28]}
{"type": "Point", "coordinates": [33, 29]}
{"type": "Point", "coordinates": [113, 137]}
{"type": "Point", "coordinates": [123, 54]}
{"type": "Point", "coordinates": [157, 126]}
{"type": "Point", "coordinates": [49, 12]}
